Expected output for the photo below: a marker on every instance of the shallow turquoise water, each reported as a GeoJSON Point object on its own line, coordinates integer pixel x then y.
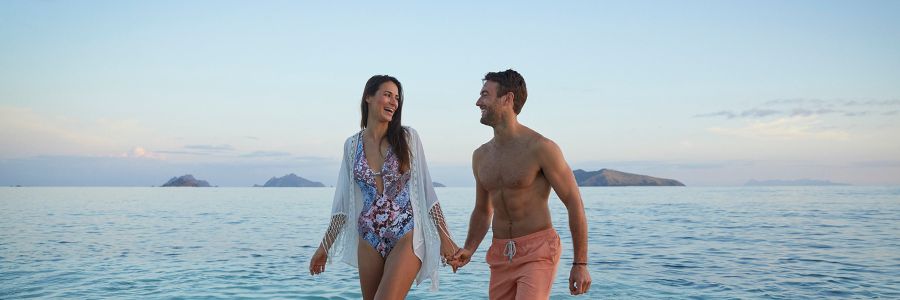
{"type": "Point", "coordinates": [755, 242]}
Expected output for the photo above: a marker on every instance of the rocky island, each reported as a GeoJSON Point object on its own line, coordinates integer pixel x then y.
{"type": "Point", "coordinates": [290, 180]}
{"type": "Point", "coordinates": [607, 177]}
{"type": "Point", "coordinates": [186, 180]}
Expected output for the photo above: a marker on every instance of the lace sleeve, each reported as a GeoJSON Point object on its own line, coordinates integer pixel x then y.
{"type": "Point", "coordinates": [434, 207]}
{"type": "Point", "coordinates": [334, 230]}
{"type": "Point", "coordinates": [340, 208]}
{"type": "Point", "coordinates": [437, 215]}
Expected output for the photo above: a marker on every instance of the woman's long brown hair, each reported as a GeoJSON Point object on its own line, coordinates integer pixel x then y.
{"type": "Point", "coordinates": [395, 135]}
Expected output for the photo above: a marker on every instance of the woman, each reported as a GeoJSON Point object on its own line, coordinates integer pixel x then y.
{"type": "Point", "coordinates": [385, 219]}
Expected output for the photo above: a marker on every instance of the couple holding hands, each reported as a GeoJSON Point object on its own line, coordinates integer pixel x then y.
{"type": "Point", "coordinates": [386, 219]}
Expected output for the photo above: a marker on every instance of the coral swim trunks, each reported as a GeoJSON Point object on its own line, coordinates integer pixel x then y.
{"type": "Point", "coordinates": [524, 267]}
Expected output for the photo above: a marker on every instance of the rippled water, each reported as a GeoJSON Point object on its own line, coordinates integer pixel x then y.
{"type": "Point", "coordinates": [788, 243]}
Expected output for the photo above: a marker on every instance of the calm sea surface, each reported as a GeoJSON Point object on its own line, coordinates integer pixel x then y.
{"type": "Point", "coordinates": [716, 243]}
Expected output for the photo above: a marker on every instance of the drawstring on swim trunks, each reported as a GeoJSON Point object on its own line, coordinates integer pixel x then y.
{"type": "Point", "coordinates": [510, 250]}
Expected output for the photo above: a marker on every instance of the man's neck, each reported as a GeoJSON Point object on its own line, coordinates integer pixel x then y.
{"type": "Point", "coordinates": [507, 130]}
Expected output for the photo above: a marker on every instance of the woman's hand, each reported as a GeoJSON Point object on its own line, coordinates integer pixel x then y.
{"type": "Point", "coordinates": [461, 258]}
{"type": "Point", "coordinates": [448, 249]}
{"type": "Point", "coordinates": [317, 263]}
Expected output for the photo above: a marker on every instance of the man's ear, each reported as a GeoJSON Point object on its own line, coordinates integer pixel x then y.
{"type": "Point", "coordinates": [510, 97]}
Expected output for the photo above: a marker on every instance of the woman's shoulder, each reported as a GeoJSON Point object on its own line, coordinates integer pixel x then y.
{"type": "Point", "coordinates": [410, 130]}
{"type": "Point", "coordinates": [413, 135]}
{"type": "Point", "coordinates": [352, 138]}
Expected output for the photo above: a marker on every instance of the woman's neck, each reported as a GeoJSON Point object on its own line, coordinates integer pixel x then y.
{"type": "Point", "coordinates": [376, 130]}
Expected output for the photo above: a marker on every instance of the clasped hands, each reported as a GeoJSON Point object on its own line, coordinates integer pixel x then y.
{"type": "Point", "coordinates": [453, 255]}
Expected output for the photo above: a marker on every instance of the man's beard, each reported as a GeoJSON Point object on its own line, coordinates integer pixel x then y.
{"type": "Point", "coordinates": [488, 118]}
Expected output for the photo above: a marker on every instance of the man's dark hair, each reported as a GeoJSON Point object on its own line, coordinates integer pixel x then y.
{"type": "Point", "coordinates": [510, 81]}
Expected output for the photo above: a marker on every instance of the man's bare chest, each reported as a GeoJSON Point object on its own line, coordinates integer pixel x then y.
{"type": "Point", "coordinates": [508, 169]}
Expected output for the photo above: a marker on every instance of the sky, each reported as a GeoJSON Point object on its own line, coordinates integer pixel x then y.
{"type": "Point", "coordinates": [712, 93]}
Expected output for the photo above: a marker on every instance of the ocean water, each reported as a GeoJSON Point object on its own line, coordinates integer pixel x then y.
{"type": "Point", "coordinates": [644, 242]}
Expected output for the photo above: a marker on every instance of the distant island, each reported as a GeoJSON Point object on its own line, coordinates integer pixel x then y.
{"type": "Point", "coordinates": [437, 184]}
{"type": "Point", "coordinates": [290, 180]}
{"type": "Point", "coordinates": [607, 177]}
{"type": "Point", "coordinates": [186, 180]}
{"type": "Point", "coordinates": [794, 182]}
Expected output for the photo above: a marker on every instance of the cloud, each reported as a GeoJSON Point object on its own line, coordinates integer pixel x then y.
{"type": "Point", "coordinates": [179, 152]}
{"type": "Point", "coordinates": [216, 148]}
{"type": "Point", "coordinates": [810, 107]}
{"type": "Point", "coordinates": [809, 112]}
{"type": "Point", "coordinates": [140, 152]}
{"type": "Point", "coordinates": [892, 102]}
{"type": "Point", "coordinates": [313, 159]}
{"type": "Point", "coordinates": [201, 150]}
{"type": "Point", "coordinates": [857, 114]}
{"type": "Point", "coordinates": [266, 154]}
{"type": "Point", "coordinates": [758, 113]}
{"type": "Point", "coordinates": [750, 113]}
{"type": "Point", "coordinates": [723, 113]}
{"type": "Point", "coordinates": [801, 127]}
{"type": "Point", "coordinates": [25, 132]}
{"type": "Point", "coordinates": [878, 164]}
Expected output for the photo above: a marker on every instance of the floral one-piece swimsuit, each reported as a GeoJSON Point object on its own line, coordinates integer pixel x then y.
{"type": "Point", "coordinates": [384, 218]}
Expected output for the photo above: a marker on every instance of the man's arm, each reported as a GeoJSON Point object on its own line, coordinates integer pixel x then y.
{"type": "Point", "coordinates": [562, 180]}
{"type": "Point", "coordinates": [479, 222]}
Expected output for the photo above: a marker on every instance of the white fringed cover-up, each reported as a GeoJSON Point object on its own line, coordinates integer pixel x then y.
{"type": "Point", "coordinates": [343, 236]}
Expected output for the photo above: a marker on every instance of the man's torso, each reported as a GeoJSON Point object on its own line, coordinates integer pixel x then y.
{"type": "Point", "coordinates": [517, 189]}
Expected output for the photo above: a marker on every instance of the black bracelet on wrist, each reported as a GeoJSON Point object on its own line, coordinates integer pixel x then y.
{"type": "Point", "coordinates": [575, 263]}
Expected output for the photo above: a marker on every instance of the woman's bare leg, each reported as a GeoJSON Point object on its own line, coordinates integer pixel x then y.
{"type": "Point", "coordinates": [371, 267]}
{"type": "Point", "coordinates": [400, 270]}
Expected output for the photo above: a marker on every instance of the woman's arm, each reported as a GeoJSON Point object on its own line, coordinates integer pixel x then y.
{"type": "Point", "coordinates": [334, 229]}
{"type": "Point", "coordinates": [448, 246]}
{"type": "Point", "coordinates": [340, 208]}
{"type": "Point", "coordinates": [437, 215]}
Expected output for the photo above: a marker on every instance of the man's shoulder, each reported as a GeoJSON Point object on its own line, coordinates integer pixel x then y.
{"type": "Point", "coordinates": [544, 142]}
{"type": "Point", "coordinates": [541, 146]}
{"type": "Point", "coordinates": [481, 148]}
{"type": "Point", "coordinates": [535, 140]}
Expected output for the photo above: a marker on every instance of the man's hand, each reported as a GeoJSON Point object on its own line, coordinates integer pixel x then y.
{"type": "Point", "coordinates": [461, 258]}
{"type": "Point", "coordinates": [317, 263]}
{"type": "Point", "coordinates": [579, 280]}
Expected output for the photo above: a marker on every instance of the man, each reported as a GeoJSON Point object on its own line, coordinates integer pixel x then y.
{"type": "Point", "coordinates": [514, 173]}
